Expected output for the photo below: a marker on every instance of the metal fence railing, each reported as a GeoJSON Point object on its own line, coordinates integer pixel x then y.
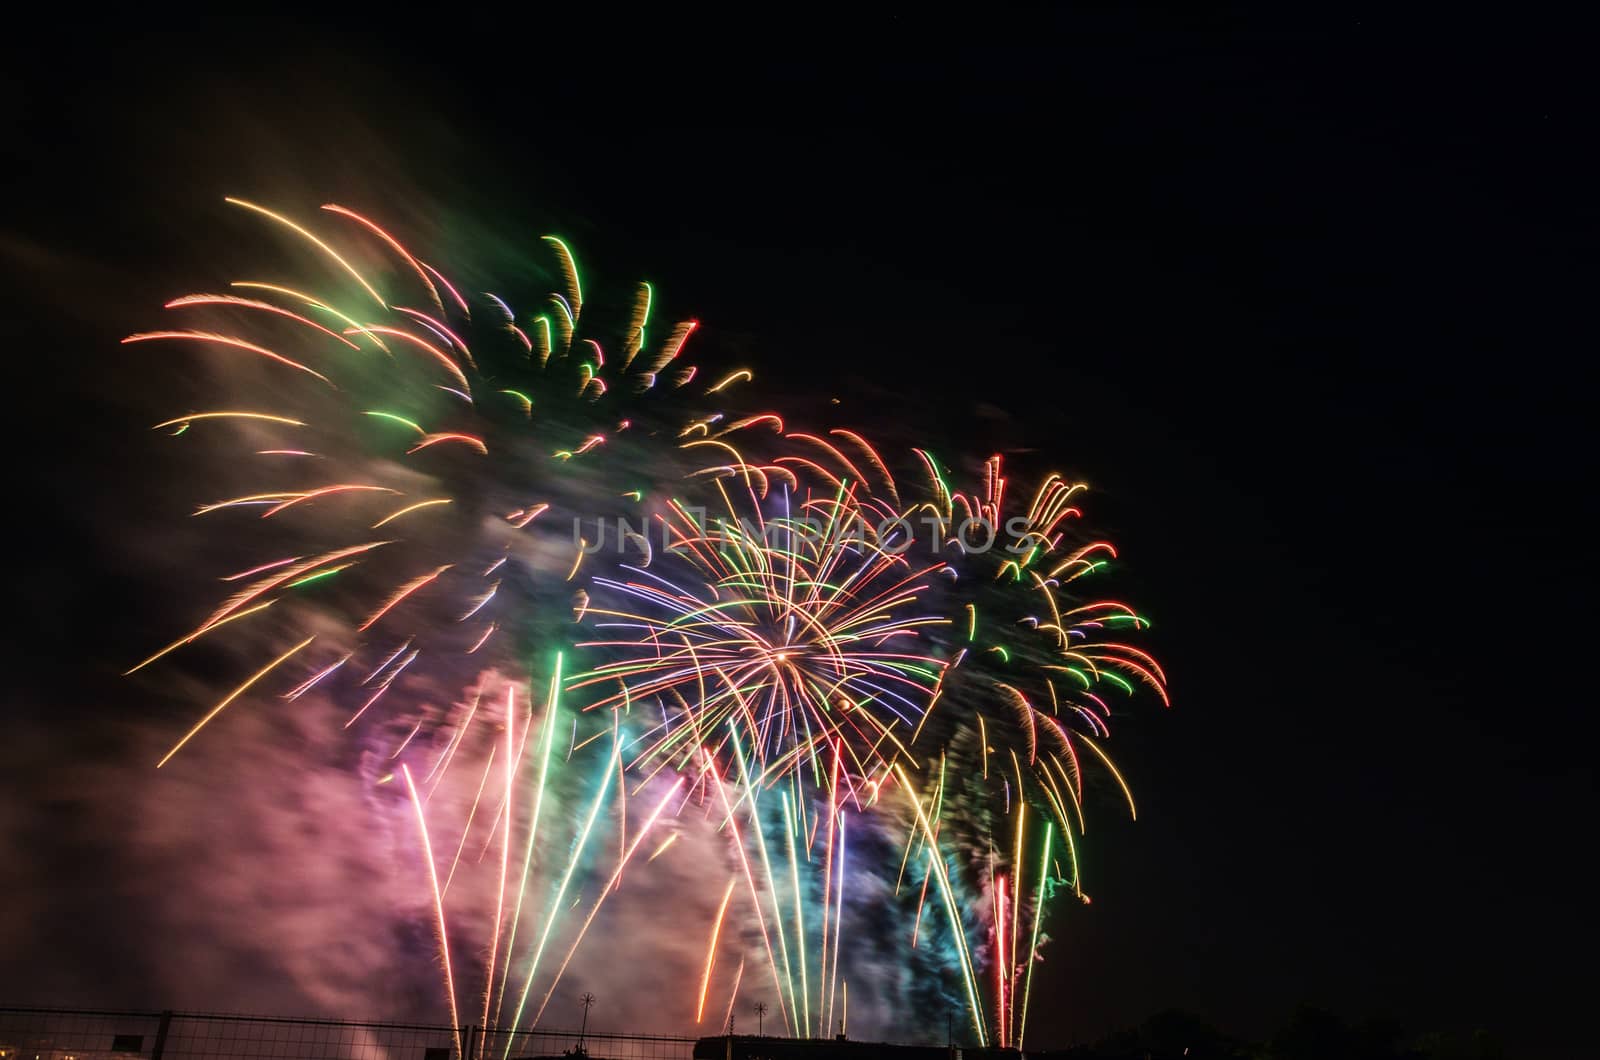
{"type": "Point", "coordinates": [83, 1034]}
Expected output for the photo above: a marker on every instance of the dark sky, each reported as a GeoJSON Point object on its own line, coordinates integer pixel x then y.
{"type": "Point", "coordinates": [1308, 304]}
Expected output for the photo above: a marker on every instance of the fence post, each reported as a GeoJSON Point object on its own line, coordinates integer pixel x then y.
{"type": "Point", "coordinates": [161, 1034]}
{"type": "Point", "coordinates": [472, 1037]}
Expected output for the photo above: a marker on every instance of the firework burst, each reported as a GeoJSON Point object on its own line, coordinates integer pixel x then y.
{"type": "Point", "coordinates": [781, 634]}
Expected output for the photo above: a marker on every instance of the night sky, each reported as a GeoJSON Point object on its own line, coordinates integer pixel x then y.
{"type": "Point", "coordinates": [1307, 305]}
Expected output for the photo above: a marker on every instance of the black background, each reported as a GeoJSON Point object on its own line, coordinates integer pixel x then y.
{"type": "Point", "coordinates": [1309, 305]}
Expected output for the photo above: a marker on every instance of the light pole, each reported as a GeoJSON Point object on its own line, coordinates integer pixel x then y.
{"type": "Point", "coordinates": [586, 1001]}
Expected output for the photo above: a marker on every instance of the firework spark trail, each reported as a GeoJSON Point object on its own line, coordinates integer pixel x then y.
{"type": "Point", "coordinates": [838, 921]}
{"type": "Point", "coordinates": [711, 948]}
{"type": "Point", "coordinates": [799, 912]}
{"type": "Point", "coordinates": [505, 859]}
{"type": "Point", "coordinates": [556, 900]}
{"type": "Point", "coordinates": [956, 926]}
{"type": "Point", "coordinates": [438, 904]}
{"type": "Point", "coordinates": [731, 823]}
{"type": "Point", "coordinates": [610, 886]}
{"type": "Point", "coordinates": [441, 765]}
{"type": "Point", "coordinates": [792, 1013]}
{"type": "Point", "coordinates": [825, 1011]}
{"type": "Point", "coordinates": [1001, 965]}
{"type": "Point", "coordinates": [472, 814]}
{"type": "Point", "coordinates": [733, 995]}
{"type": "Point", "coordinates": [547, 730]}
{"type": "Point", "coordinates": [1016, 909]}
{"type": "Point", "coordinates": [225, 340]}
{"type": "Point", "coordinates": [319, 244]}
{"type": "Point", "coordinates": [1033, 947]}
{"type": "Point", "coordinates": [235, 694]}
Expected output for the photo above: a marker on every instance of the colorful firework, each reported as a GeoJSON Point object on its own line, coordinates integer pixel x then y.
{"type": "Point", "coordinates": [994, 761]}
{"type": "Point", "coordinates": [1022, 709]}
{"type": "Point", "coordinates": [781, 650]}
{"type": "Point", "coordinates": [826, 655]}
{"type": "Point", "coordinates": [415, 458]}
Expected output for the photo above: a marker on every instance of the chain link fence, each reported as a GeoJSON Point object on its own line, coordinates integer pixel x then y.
{"type": "Point", "coordinates": [82, 1034]}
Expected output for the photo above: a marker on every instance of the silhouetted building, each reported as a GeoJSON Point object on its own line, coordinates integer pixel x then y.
{"type": "Point", "coordinates": [751, 1047]}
